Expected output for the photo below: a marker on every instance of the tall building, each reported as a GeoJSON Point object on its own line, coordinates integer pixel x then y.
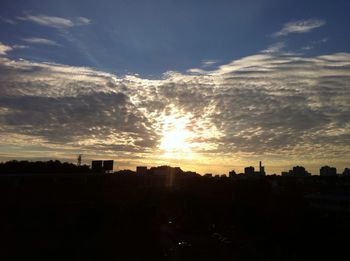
{"type": "Point", "coordinates": [261, 169]}
{"type": "Point", "coordinates": [249, 170]}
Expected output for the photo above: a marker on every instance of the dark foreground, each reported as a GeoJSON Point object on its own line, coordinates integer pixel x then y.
{"type": "Point", "coordinates": [96, 217]}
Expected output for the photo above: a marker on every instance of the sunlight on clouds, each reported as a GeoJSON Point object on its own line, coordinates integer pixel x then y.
{"type": "Point", "coordinates": [266, 106]}
{"type": "Point", "coordinates": [4, 49]}
{"type": "Point", "coordinates": [184, 136]}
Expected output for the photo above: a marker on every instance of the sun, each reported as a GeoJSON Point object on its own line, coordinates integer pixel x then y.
{"type": "Point", "coordinates": [175, 140]}
{"type": "Point", "coordinates": [176, 137]}
{"type": "Point", "coordinates": [184, 136]}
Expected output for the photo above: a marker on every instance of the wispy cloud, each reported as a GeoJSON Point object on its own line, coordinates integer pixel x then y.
{"type": "Point", "coordinates": [82, 21]}
{"type": "Point", "coordinates": [20, 46]}
{"type": "Point", "coordinates": [311, 45]}
{"type": "Point", "coordinates": [4, 49]}
{"type": "Point", "coordinates": [207, 63]}
{"type": "Point", "coordinates": [55, 21]}
{"type": "Point", "coordinates": [7, 20]}
{"type": "Point", "coordinates": [307, 47]}
{"type": "Point", "coordinates": [300, 26]}
{"type": "Point", "coordinates": [35, 40]}
{"type": "Point", "coordinates": [274, 48]}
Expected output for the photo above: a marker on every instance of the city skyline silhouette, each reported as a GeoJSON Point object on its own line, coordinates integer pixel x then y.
{"type": "Point", "coordinates": [174, 130]}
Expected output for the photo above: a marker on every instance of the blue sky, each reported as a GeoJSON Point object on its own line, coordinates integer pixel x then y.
{"type": "Point", "coordinates": [152, 37]}
{"type": "Point", "coordinates": [210, 86]}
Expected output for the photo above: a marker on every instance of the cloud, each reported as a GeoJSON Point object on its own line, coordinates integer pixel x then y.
{"type": "Point", "coordinates": [54, 21]}
{"type": "Point", "coordinates": [82, 21]}
{"type": "Point", "coordinates": [307, 47]}
{"type": "Point", "coordinates": [36, 40]}
{"type": "Point", "coordinates": [268, 106]}
{"type": "Point", "coordinates": [208, 63]}
{"type": "Point", "coordinates": [300, 26]}
{"type": "Point", "coordinates": [311, 45]}
{"type": "Point", "coordinates": [20, 46]}
{"type": "Point", "coordinates": [275, 48]}
{"type": "Point", "coordinates": [8, 21]}
{"type": "Point", "coordinates": [4, 49]}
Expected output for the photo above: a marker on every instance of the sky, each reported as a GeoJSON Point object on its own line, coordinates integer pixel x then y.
{"type": "Point", "coordinates": [209, 86]}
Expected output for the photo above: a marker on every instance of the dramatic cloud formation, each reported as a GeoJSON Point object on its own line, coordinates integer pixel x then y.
{"type": "Point", "coordinates": [300, 26]}
{"type": "Point", "coordinates": [266, 106]}
{"type": "Point", "coordinates": [35, 40]}
{"type": "Point", "coordinates": [54, 21]}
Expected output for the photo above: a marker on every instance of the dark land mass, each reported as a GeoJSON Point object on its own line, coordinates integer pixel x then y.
{"type": "Point", "coordinates": [124, 216]}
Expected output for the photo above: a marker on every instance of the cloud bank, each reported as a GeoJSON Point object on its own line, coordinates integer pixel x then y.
{"type": "Point", "coordinates": [265, 106]}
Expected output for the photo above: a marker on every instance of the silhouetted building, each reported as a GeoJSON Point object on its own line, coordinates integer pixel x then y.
{"type": "Point", "coordinates": [208, 175]}
{"type": "Point", "coordinates": [261, 169]}
{"type": "Point", "coordinates": [190, 173]}
{"type": "Point", "coordinates": [108, 165]}
{"type": "Point", "coordinates": [178, 170]}
{"type": "Point", "coordinates": [96, 165]}
{"type": "Point", "coordinates": [297, 171]}
{"type": "Point", "coordinates": [327, 171]}
{"type": "Point", "coordinates": [165, 170]}
{"type": "Point", "coordinates": [249, 170]}
{"type": "Point", "coordinates": [141, 170]}
{"type": "Point", "coordinates": [346, 172]}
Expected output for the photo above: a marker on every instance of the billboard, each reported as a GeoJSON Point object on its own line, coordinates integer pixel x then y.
{"type": "Point", "coordinates": [96, 165]}
{"type": "Point", "coordinates": [108, 165]}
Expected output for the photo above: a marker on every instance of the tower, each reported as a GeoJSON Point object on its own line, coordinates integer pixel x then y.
{"type": "Point", "coordinates": [261, 169]}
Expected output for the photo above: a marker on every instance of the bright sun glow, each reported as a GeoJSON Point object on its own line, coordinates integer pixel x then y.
{"type": "Point", "coordinates": [176, 138]}
{"type": "Point", "coordinates": [185, 136]}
